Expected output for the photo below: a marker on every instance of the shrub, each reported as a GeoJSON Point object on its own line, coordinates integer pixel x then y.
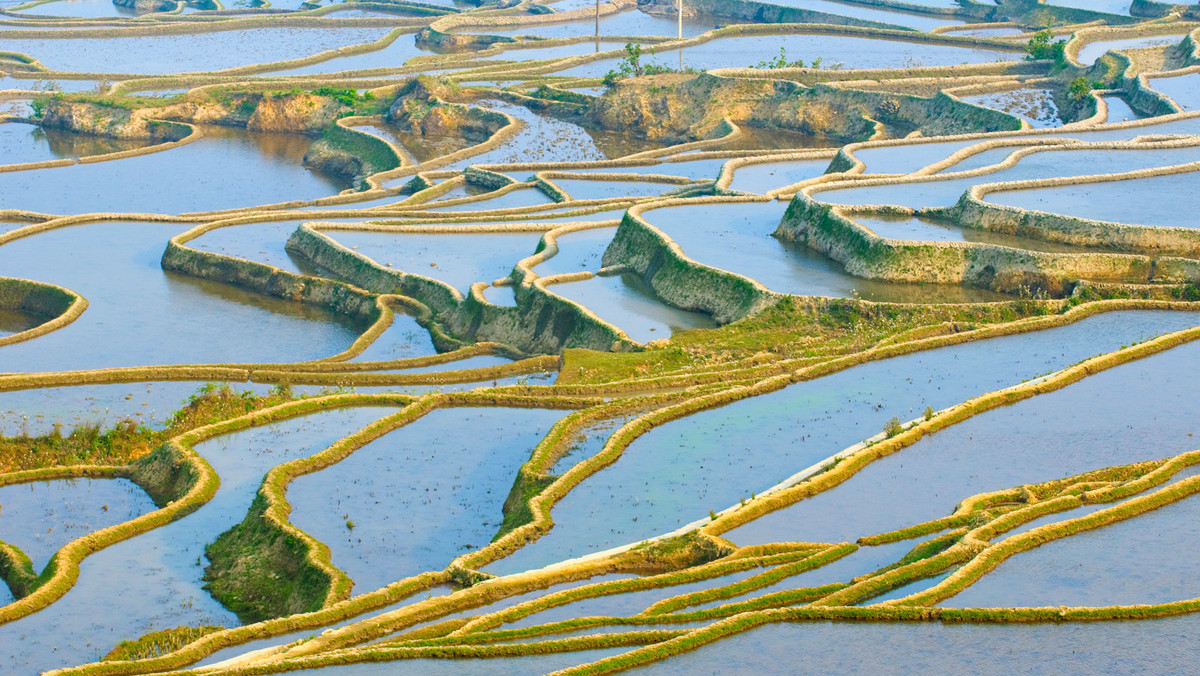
{"type": "Point", "coordinates": [1079, 89]}
{"type": "Point", "coordinates": [347, 97]}
{"type": "Point", "coordinates": [781, 61]}
{"type": "Point", "coordinates": [892, 427]}
{"type": "Point", "coordinates": [887, 110]}
{"type": "Point", "coordinates": [1189, 293]}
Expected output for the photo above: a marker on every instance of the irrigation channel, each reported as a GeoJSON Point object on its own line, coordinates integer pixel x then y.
{"type": "Point", "coordinates": [350, 337]}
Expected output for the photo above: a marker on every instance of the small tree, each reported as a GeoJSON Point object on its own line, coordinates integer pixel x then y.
{"type": "Point", "coordinates": [1042, 46]}
{"type": "Point", "coordinates": [632, 66]}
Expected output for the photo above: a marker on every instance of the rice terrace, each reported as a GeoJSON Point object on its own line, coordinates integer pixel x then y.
{"type": "Point", "coordinates": [464, 337]}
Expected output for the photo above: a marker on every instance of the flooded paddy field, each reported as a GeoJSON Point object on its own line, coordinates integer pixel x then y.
{"type": "Point", "coordinates": [1035, 106]}
{"type": "Point", "coordinates": [921, 22]}
{"type": "Point", "coordinates": [1102, 648]}
{"type": "Point", "coordinates": [1184, 90]}
{"type": "Point", "coordinates": [39, 518]}
{"type": "Point", "coordinates": [393, 55]}
{"type": "Point", "coordinates": [1037, 165]}
{"type": "Point", "coordinates": [367, 508]}
{"type": "Point", "coordinates": [825, 417]}
{"type": "Point", "coordinates": [624, 301]}
{"type": "Point", "coordinates": [627, 23]}
{"type": "Point", "coordinates": [225, 169]}
{"type": "Point", "coordinates": [116, 266]}
{"type": "Point", "coordinates": [1106, 427]}
{"type": "Point", "coordinates": [1094, 50]}
{"type": "Point", "coordinates": [458, 260]}
{"type": "Point", "coordinates": [523, 338]}
{"type": "Point", "coordinates": [157, 55]}
{"type": "Point", "coordinates": [850, 52]}
{"type": "Point", "coordinates": [25, 143]}
{"type": "Point", "coordinates": [738, 238]}
{"type": "Point", "coordinates": [37, 411]}
{"type": "Point", "coordinates": [1110, 201]}
{"type": "Point", "coordinates": [169, 562]}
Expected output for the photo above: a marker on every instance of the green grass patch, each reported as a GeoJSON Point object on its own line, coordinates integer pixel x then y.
{"type": "Point", "coordinates": [157, 643]}
{"type": "Point", "coordinates": [89, 444]}
{"type": "Point", "coordinates": [517, 512]}
{"type": "Point", "coordinates": [260, 572]}
{"type": "Point", "coordinates": [795, 327]}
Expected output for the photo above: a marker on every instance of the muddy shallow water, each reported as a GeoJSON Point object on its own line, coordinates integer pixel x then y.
{"type": "Point", "coordinates": [1131, 413]}
{"type": "Point", "coordinates": [134, 304]}
{"type": "Point", "coordinates": [738, 238]}
{"type": "Point", "coordinates": [1108, 648]}
{"type": "Point", "coordinates": [412, 501]}
{"type": "Point", "coordinates": [752, 444]}
{"type": "Point", "coordinates": [161, 570]}
{"type": "Point", "coordinates": [226, 169]}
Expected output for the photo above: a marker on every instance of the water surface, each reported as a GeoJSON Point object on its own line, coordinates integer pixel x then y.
{"type": "Point", "coordinates": [160, 571]}
{"type": "Point", "coordinates": [851, 52]}
{"type": "Point", "coordinates": [21, 143]}
{"type": "Point", "coordinates": [415, 499]}
{"type": "Point", "coordinates": [196, 52]}
{"type": "Point", "coordinates": [133, 304]}
{"type": "Point", "coordinates": [226, 169]}
{"type": "Point", "coordinates": [1128, 414]}
{"type": "Point", "coordinates": [457, 259]}
{"type": "Point", "coordinates": [712, 459]}
{"type": "Point", "coordinates": [1118, 201]}
{"type": "Point", "coordinates": [1107, 648]}
{"type": "Point", "coordinates": [626, 302]}
{"type": "Point", "coordinates": [39, 518]}
{"type": "Point", "coordinates": [738, 237]}
{"type": "Point", "coordinates": [1146, 559]}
